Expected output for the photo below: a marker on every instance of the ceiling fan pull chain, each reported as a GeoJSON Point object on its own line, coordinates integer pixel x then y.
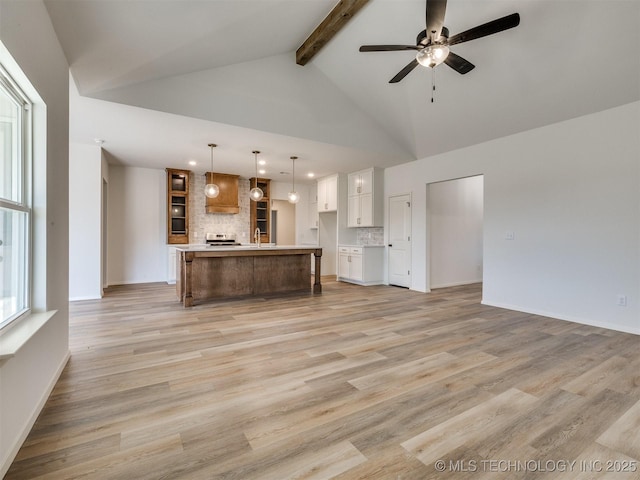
{"type": "Point", "coordinates": [433, 83]}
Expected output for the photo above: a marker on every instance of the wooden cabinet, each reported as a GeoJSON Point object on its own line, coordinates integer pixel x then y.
{"type": "Point", "coordinates": [260, 211]}
{"type": "Point", "coordinates": [227, 199]}
{"type": "Point", "coordinates": [177, 206]}
{"type": "Point", "coordinates": [328, 194]}
{"type": "Point", "coordinates": [360, 264]}
{"type": "Point", "coordinates": [365, 205]}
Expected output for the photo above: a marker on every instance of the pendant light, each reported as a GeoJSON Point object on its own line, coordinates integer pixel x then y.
{"type": "Point", "coordinates": [256, 194]}
{"type": "Point", "coordinates": [212, 190]}
{"type": "Point", "coordinates": [293, 195]}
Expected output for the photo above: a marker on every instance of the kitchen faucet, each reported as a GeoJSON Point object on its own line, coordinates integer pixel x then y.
{"type": "Point", "coordinates": [256, 236]}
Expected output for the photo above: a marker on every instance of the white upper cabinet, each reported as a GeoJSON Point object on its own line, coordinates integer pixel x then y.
{"type": "Point", "coordinates": [361, 182]}
{"type": "Point", "coordinates": [365, 206]}
{"type": "Point", "coordinates": [328, 194]}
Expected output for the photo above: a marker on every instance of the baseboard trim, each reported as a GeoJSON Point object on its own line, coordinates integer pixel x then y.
{"type": "Point", "coordinates": [566, 318]}
{"type": "Point", "coordinates": [455, 284]}
{"type": "Point", "coordinates": [89, 297]}
{"type": "Point", "coordinates": [8, 460]}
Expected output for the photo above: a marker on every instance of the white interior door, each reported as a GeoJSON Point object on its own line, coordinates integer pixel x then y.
{"type": "Point", "coordinates": [400, 240]}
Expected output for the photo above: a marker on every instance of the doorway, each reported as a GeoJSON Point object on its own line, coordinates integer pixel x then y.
{"type": "Point", "coordinates": [283, 222]}
{"type": "Point", "coordinates": [399, 245]}
{"type": "Point", "coordinates": [455, 210]}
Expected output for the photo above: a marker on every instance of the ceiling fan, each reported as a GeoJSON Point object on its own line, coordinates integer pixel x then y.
{"type": "Point", "coordinates": [433, 43]}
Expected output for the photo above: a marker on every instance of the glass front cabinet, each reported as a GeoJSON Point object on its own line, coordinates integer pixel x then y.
{"type": "Point", "coordinates": [177, 206]}
{"type": "Point", "coordinates": [261, 211]}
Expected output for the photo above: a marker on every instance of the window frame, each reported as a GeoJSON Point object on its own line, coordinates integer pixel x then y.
{"type": "Point", "coordinates": [23, 199]}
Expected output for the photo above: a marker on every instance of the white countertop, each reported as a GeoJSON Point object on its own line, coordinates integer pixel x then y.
{"type": "Point", "coordinates": [245, 247]}
{"type": "Point", "coordinates": [360, 246]}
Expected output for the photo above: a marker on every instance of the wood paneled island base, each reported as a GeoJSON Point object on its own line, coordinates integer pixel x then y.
{"type": "Point", "coordinates": [208, 273]}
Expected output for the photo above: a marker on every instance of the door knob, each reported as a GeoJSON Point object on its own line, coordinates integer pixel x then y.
{"type": "Point", "coordinates": [390, 245]}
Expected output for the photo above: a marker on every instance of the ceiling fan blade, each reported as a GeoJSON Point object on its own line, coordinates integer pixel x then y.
{"type": "Point", "coordinates": [405, 71]}
{"type": "Point", "coordinates": [458, 63]}
{"type": "Point", "coordinates": [485, 29]}
{"type": "Point", "coordinates": [387, 48]}
{"type": "Point", "coordinates": [435, 18]}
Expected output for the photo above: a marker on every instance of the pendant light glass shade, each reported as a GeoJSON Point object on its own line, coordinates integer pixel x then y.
{"type": "Point", "coordinates": [256, 194]}
{"type": "Point", "coordinates": [212, 190]}
{"type": "Point", "coordinates": [293, 195]}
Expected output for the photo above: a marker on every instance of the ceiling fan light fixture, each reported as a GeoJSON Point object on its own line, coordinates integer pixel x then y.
{"type": "Point", "coordinates": [432, 55]}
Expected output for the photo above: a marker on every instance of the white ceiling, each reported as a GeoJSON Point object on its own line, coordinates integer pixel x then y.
{"type": "Point", "coordinates": [160, 79]}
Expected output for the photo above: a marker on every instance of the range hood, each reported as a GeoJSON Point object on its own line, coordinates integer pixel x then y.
{"type": "Point", "coordinates": [227, 199]}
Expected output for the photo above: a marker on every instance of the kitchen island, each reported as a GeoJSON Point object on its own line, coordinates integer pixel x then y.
{"type": "Point", "coordinates": [207, 273]}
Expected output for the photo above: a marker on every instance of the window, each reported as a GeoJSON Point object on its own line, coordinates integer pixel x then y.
{"type": "Point", "coordinates": [15, 201]}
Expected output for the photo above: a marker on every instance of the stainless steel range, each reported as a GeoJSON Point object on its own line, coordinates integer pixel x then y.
{"type": "Point", "coordinates": [220, 239]}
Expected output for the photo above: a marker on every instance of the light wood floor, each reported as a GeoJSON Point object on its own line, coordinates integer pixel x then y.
{"type": "Point", "coordinates": [356, 383]}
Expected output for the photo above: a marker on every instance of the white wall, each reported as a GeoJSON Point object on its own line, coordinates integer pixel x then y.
{"type": "Point", "coordinates": [85, 225]}
{"type": "Point", "coordinates": [27, 378]}
{"type": "Point", "coordinates": [304, 219]}
{"type": "Point", "coordinates": [454, 219]}
{"type": "Point", "coordinates": [136, 250]}
{"type": "Point", "coordinates": [570, 192]}
{"type": "Point", "coordinates": [247, 94]}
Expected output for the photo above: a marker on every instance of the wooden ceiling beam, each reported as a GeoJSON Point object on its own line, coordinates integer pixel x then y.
{"type": "Point", "coordinates": [337, 18]}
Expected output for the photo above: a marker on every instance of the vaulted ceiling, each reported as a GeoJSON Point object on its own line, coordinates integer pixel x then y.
{"type": "Point", "coordinates": [160, 79]}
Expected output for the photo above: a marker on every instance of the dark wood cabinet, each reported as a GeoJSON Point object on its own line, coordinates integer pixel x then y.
{"type": "Point", "coordinates": [261, 210]}
{"type": "Point", "coordinates": [177, 206]}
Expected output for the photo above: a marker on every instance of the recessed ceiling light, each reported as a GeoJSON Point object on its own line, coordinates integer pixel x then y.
{"type": "Point", "coordinates": [192, 162]}
{"type": "Point", "coordinates": [262, 162]}
{"type": "Point", "coordinates": [99, 141]}
{"type": "Point", "coordinates": [262, 171]}
{"type": "Point", "coordinates": [311, 174]}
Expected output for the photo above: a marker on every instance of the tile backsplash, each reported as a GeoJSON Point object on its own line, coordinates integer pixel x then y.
{"type": "Point", "coordinates": [370, 236]}
{"type": "Point", "coordinates": [201, 222]}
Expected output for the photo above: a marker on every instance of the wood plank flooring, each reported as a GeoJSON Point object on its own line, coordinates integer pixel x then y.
{"type": "Point", "coordinates": [357, 383]}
